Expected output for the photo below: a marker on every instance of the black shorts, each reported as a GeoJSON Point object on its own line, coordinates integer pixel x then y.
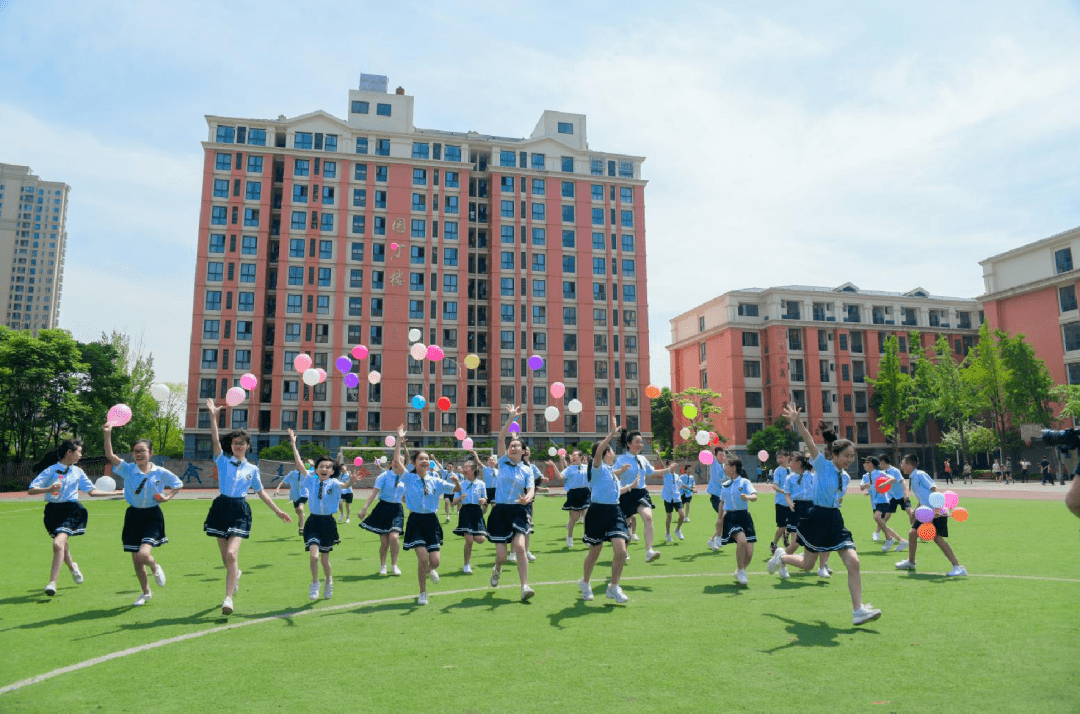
{"type": "Point", "coordinates": [422, 530]}
{"type": "Point", "coordinates": [905, 503]}
{"type": "Point", "coordinates": [66, 517]}
{"type": "Point", "coordinates": [577, 499]}
{"type": "Point", "coordinates": [734, 522]}
{"type": "Point", "coordinates": [886, 507]}
{"type": "Point", "coordinates": [801, 509]}
{"type": "Point", "coordinates": [822, 529]}
{"type": "Point", "coordinates": [672, 506]}
{"type": "Point", "coordinates": [449, 496]}
{"type": "Point", "coordinates": [143, 525]}
{"type": "Point", "coordinates": [347, 497]}
{"type": "Point", "coordinates": [783, 515]}
{"type": "Point", "coordinates": [386, 518]}
{"type": "Point", "coordinates": [604, 522]}
{"type": "Point", "coordinates": [630, 501]}
{"type": "Point", "coordinates": [941, 526]}
{"type": "Point", "coordinates": [507, 520]}
{"type": "Point", "coordinates": [297, 502]}
{"type": "Point", "coordinates": [228, 517]}
{"type": "Point", "coordinates": [714, 501]}
{"type": "Point", "coordinates": [471, 521]}
{"type": "Point", "coordinates": [687, 499]}
{"type": "Point", "coordinates": [491, 495]}
{"type": "Point", "coordinates": [322, 532]}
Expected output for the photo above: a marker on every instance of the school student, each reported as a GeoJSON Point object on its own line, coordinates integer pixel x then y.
{"type": "Point", "coordinates": [782, 504]}
{"type": "Point", "coordinates": [870, 466]}
{"type": "Point", "coordinates": [881, 501]}
{"type": "Point", "coordinates": [671, 494]}
{"type": "Point", "coordinates": [604, 521]}
{"type": "Point", "coordinates": [734, 518]}
{"type": "Point", "coordinates": [899, 492]}
{"type": "Point", "coordinates": [537, 479]}
{"type": "Point", "coordinates": [293, 480]}
{"type": "Point", "coordinates": [686, 488]}
{"type": "Point", "coordinates": [577, 489]}
{"type": "Point", "coordinates": [388, 518]}
{"type": "Point", "coordinates": [229, 518]}
{"type": "Point", "coordinates": [61, 480]}
{"type": "Point", "coordinates": [509, 519]}
{"type": "Point", "coordinates": [470, 503]}
{"type": "Point", "coordinates": [822, 529]}
{"type": "Point", "coordinates": [922, 486]}
{"type": "Point", "coordinates": [491, 468]}
{"type": "Point", "coordinates": [637, 502]}
{"type": "Point", "coordinates": [449, 498]}
{"type": "Point", "coordinates": [144, 524]}
{"type": "Point", "coordinates": [345, 503]}
{"type": "Point", "coordinates": [716, 480]}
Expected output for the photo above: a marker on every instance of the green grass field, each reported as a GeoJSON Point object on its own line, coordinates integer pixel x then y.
{"type": "Point", "coordinates": [1004, 639]}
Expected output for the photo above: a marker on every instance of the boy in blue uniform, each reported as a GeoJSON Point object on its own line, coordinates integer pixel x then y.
{"type": "Point", "coordinates": [922, 486]}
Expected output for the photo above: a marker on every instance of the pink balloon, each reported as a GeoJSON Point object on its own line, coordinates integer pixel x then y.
{"type": "Point", "coordinates": [390, 441]}
{"type": "Point", "coordinates": [358, 461]}
{"type": "Point", "coordinates": [562, 452]}
{"type": "Point", "coordinates": [393, 246]}
{"type": "Point", "coordinates": [435, 353]}
{"type": "Point", "coordinates": [951, 499]}
{"type": "Point", "coordinates": [374, 377]}
{"type": "Point", "coordinates": [322, 374]}
{"type": "Point", "coordinates": [119, 415]}
{"type": "Point", "coordinates": [418, 351]}
{"type": "Point", "coordinates": [352, 380]}
{"type": "Point", "coordinates": [248, 381]}
{"type": "Point", "coordinates": [301, 363]}
{"type": "Point", "coordinates": [514, 427]}
{"type": "Point", "coordinates": [343, 364]}
{"type": "Point", "coordinates": [558, 389]}
{"type": "Point", "coordinates": [360, 352]}
{"type": "Point", "coordinates": [466, 443]}
{"type": "Point", "coordinates": [234, 396]}
{"type": "Point", "coordinates": [705, 457]}
{"type": "Point", "coordinates": [460, 434]}
{"type": "Point", "coordinates": [763, 455]}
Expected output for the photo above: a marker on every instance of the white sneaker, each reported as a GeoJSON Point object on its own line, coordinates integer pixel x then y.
{"type": "Point", "coordinates": [434, 575]}
{"type": "Point", "coordinates": [957, 570]}
{"type": "Point", "coordinates": [667, 538]}
{"type": "Point", "coordinates": [586, 590]}
{"type": "Point", "coordinates": [634, 538]}
{"type": "Point", "coordinates": [740, 575]}
{"type": "Point", "coordinates": [512, 558]}
{"type": "Point", "coordinates": [348, 520]}
{"type": "Point", "coordinates": [422, 600]}
{"type": "Point", "coordinates": [395, 570]}
{"type": "Point", "coordinates": [159, 576]}
{"type": "Point", "coordinates": [687, 519]}
{"type": "Point", "coordinates": [876, 536]}
{"type": "Point", "coordinates": [448, 519]}
{"type": "Point", "coordinates": [467, 569]}
{"type": "Point", "coordinates": [889, 543]}
{"type": "Point", "coordinates": [865, 613]}
{"type": "Point", "coordinates": [531, 558]}
{"type": "Point", "coordinates": [678, 534]}
{"type": "Point", "coordinates": [313, 591]}
{"type": "Point", "coordinates": [143, 599]}
{"type": "Point", "coordinates": [495, 577]}
{"type": "Point", "coordinates": [823, 572]}
{"type": "Point", "coordinates": [651, 555]}
{"type": "Point", "coordinates": [328, 589]}
{"type": "Point", "coordinates": [226, 607]}
{"type": "Point", "coordinates": [784, 575]}
{"type": "Point", "coordinates": [569, 542]}
{"type": "Point", "coordinates": [774, 561]}
{"type": "Point", "coordinates": [382, 569]}
{"type": "Point", "coordinates": [905, 565]}
{"type": "Point", "coordinates": [237, 585]}
{"type": "Point", "coordinates": [713, 545]}
{"type": "Point", "coordinates": [614, 592]}
{"type": "Point", "coordinates": [627, 557]}
{"type": "Point", "coordinates": [76, 574]}
{"type": "Point", "coordinates": [50, 589]}
{"type": "Point", "coordinates": [526, 593]}
{"type": "Point", "coordinates": [902, 545]}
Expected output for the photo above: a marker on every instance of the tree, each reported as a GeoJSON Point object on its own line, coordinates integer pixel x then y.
{"type": "Point", "coordinates": [1028, 390]}
{"type": "Point", "coordinates": [945, 391]}
{"type": "Point", "coordinates": [663, 421]}
{"type": "Point", "coordinates": [973, 436]}
{"type": "Point", "coordinates": [282, 451]}
{"type": "Point", "coordinates": [168, 428]}
{"type": "Point", "coordinates": [894, 391]}
{"type": "Point", "coordinates": [989, 375]}
{"type": "Point", "coordinates": [704, 403]}
{"type": "Point", "coordinates": [1068, 396]}
{"type": "Point", "coordinates": [773, 438]}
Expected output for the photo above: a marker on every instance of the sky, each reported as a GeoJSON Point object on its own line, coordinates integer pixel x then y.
{"type": "Point", "coordinates": [892, 145]}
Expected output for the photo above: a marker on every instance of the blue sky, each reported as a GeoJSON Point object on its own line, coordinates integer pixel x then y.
{"type": "Point", "coordinates": [890, 145]}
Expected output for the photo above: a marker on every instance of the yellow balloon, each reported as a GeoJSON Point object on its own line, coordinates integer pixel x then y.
{"type": "Point", "coordinates": [689, 411]}
{"type": "Point", "coordinates": [472, 362]}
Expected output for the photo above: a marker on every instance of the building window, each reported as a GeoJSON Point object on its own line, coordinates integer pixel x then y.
{"type": "Point", "coordinates": [747, 309]}
{"type": "Point", "coordinates": [1071, 332]}
{"type": "Point", "coordinates": [568, 164]}
{"type": "Point", "coordinates": [752, 368]}
{"type": "Point", "coordinates": [359, 107]}
{"type": "Point", "coordinates": [753, 400]}
{"type": "Point", "coordinates": [382, 110]}
{"type": "Point", "coordinates": [1067, 298]}
{"type": "Point", "coordinates": [566, 127]}
{"type": "Point", "coordinates": [750, 339]}
{"type": "Point", "coordinates": [1063, 262]}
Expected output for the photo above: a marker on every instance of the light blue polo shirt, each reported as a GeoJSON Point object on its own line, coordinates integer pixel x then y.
{"type": "Point", "coordinates": [871, 478]}
{"type": "Point", "coordinates": [513, 480]}
{"type": "Point", "coordinates": [140, 488]}
{"type": "Point", "coordinates": [829, 486]}
{"type": "Point", "coordinates": [391, 488]}
{"type": "Point", "coordinates": [604, 485]}
{"type": "Point", "coordinates": [575, 475]}
{"type": "Point", "coordinates": [236, 477]}
{"type": "Point", "coordinates": [896, 490]}
{"type": "Point", "coordinates": [670, 491]}
{"type": "Point", "coordinates": [716, 478]}
{"type": "Point", "coordinates": [780, 482]}
{"type": "Point", "coordinates": [472, 492]}
{"type": "Point", "coordinates": [921, 485]}
{"type": "Point", "coordinates": [422, 494]}
{"type": "Point", "coordinates": [801, 486]}
{"type": "Point", "coordinates": [687, 484]}
{"type": "Point", "coordinates": [639, 469]}
{"type": "Point", "coordinates": [489, 477]}
{"type": "Point", "coordinates": [73, 480]}
{"type": "Point", "coordinates": [324, 497]}
{"type": "Point", "coordinates": [730, 494]}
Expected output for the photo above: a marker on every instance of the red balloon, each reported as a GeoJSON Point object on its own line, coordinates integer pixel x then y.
{"type": "Point", "coordinates": [443, 403]}
{"type": "Point", "coordinates": [881, 485]}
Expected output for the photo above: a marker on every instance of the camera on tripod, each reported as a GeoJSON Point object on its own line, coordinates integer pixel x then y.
{"type": "Point", "coordinates": [1065, 439]}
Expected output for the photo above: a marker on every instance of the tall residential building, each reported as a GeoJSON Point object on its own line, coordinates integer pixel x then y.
{"type": "Point", "coordinates": [1032, 289]}
{"type": "Point", "coordinates": [317, 234]}
{"type": "Point", "coordinates": [32, 244]}
{"type": "Point", "coordinates": [814, 346]}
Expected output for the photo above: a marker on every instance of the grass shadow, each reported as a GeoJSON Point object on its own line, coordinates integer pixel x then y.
{"type": "Point", "coordinates": [724, 589]}
{"type": "Point", "coordinates": [796, 583]}
{"type": "Point", "coordinates": [579, 609]}
{"type": "Point", "coordinates": [35, 595]}
{"type": "Point", "coordinates": [820, 634]}
{"type": "Point", "coordinates": [691, 557]}
{"type": "Point", "coordinates": [930, 577]}
{"type": "Point", "coordinates": [487, 600]}
{"type": "Point", "coordinates": [358, 578]}
{"type": "Point", "coordinates": [72, 618]}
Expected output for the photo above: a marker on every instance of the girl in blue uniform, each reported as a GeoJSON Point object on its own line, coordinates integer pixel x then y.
{"type": "Point", "coordinates": [509, 519]}
{"type": "Point", "coordinates": [345, 503]}
{"type": "Point", "coordinates": [922, 486]}
{"type": "Point", "coordinates": [388, 518]}
{"type": "Point", "coordinates": [899, 492]}
{"type": "Point", "coordinates": [671, 493]}
{"type": "Point", "coordinates": [144, 524]}
{"type": "Point", "coordinates": [293, 480]}
{"type": "Point", "coordinates": [822, 529]}
{"type": "Point", "coordinates": [604, 521]}
{"type": "Point", "coordinates": [734, 517]}
{"type": "Point", "coordinates": [575, 476]}
{"type": "Point", "coordinates": [686, 488]}
{"type": "Point", "coordinates": [870, 465]}
{"type": "Point", "coordinates": [637, 502]}
{"type": "Point", "coordinates": [782, 503]}
{"type": "Point", "coordinates": [60, 481]}
{"type": "Point", "coordinates": [491, 468]}
{"type": "Point", "coordinates": [716, 479]}
{"type": "Point", "coordinates": [470, 503]}
{"type": "Point", "coordinates": [537, 479]}
{"type": "Point", "coordinates": [229, 518]}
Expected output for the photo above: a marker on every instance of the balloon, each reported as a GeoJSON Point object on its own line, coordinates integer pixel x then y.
{"type": "Point", "coordinates": [551, 413]}
{"type": "Point", "coordinates": [359, 352]}
{"type": "Point", "coordinates": [390, 441]}
{"type": "Point", "coordinates": [322, 374]}
{"type": "Point", "coordinates": [705, 457]}
{"type": "Point", "coordinates": [763, 455]}
{"type": "Point", "coordinates": [393, 246]}
{"type": "Point", "coordinates": [414, 335]}
{"type": "Point", "coordinates": [536, 362]}
{"type": "Point", "coordinates": [574, 407]}
{"type": "Point", "coordinates": [374, 377]}
{"type": "Point", "coordinates": [558, 389]}
{"type": "Point", "coordinates": [714, 438]}
{"type": "Point", "coordinates": [343, 364]}
{"type": "Point", "coordinates": [685, 432]}
{"type": "Point", "coordinates": [466, 443]}
{"type": "Point", "coordinates": [418, 351]}
{"type": "Point", "coordinates": [310, 376]}
{"type": "Point", "coordinates": [460, 434]}
{"type": "Point", "coordinates": [552, 451]}
{"type": "Point", "coordinates": [951, 499]}
{"type": "Point", "coordinates": [105, 483]}
{"type": "Point", "coordinates": [515, 427]}
{"type": "Point", "coordinates": [472, 362]}
{"type": "Point", "coordinates": [937, 500]}
{"type": "Point", "coordinates": [160, 392]}
{"type": "Point", "coordinates": [927, 531]}
{"type": "Point", "coordinates": [702, 437]}
{"type": "Point", "coordinates": [435, 353]}
{"type": "Point", "coordinates": [418, 402]}
{"type": "Point", "coordinates": [235, 395]}
{"type": "Point", "coordinates": [352, 381]}
{"type": "Point", "coordinates": [924, 514]}
{"type": "Point", "coordinates": [249, 381]}
{"type": "Point", "coordinates": [689, 411]}
{"type": "Point", "coordinates": [301, 363]}
{"type": "Point", "coordinates": [358, 461]}
{"type": "Point", "coordinates": [119, 415]}
{"type": "Point", "coordinates": [562, 452]}
{"type": "Point", "coordinates": [652, 391]}
{"type": "Point", "coordinates": [443, 404]}
{"type": "Point", "coordinates": [881, 485]}
{"type": "Point", "coordinates": [960, 514]}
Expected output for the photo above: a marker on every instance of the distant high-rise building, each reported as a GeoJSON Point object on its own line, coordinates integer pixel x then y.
{"type": "Point", "coordinates": [32, 244]}
{"type": "Point", "coordinates": [318, 234]}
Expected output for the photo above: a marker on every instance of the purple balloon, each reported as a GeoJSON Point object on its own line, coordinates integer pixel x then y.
{"type": "Point", "coordinates": [514, 427]}
{"type": "Point", "coordinates": [352, 381]}
{"type": "Point", "coordinates": [536, 362]}
{"type": "Point", "coordinates": [344, 364]}
{"type": "Point", "coordinates": [924, 514]}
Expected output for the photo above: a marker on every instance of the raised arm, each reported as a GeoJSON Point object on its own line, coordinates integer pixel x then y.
{"type": "Point", "coordinates": [113, 458]}
{"type": "Point", "coordinates": [791, 412]}
{"type": "Point", "coordinates": [598, 458]}
{"type": "Point", "coordinates": [214, 409]}
{"type": "Point", "coordinates": [301, 469]}
{"type": "Point", "coordinates": [513, 412]}
{"type": "Point", "coordinates": [397, 465]}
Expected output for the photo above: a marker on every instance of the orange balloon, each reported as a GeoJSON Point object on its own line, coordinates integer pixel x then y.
{"type": "Point", "coordinates": [960, 514]}
{"type": "Point", "coordinates": [652, 391]}
{"type": "Point", "coordinates": [927, 531]}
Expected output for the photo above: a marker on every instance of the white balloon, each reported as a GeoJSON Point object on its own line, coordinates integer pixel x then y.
{"type": "Point", "coordinates": [702, 437]}
{"type": "Point", "coordinates": [574, 407]}
{"type": "Point", "coordinates": [685, 432]}
{"type": "Point", "coordinates": [311, 376]}
{"type": "Point", "coordinates": [552, 451]}
{"type": "Point", "coordinates": [159, 392]}
{"type": "Point", "coordinates": [551, 413]}
{"type": "Point", "coordinates": [418, 351]}
{"type": "Point", "coordinates": [415, 335]}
